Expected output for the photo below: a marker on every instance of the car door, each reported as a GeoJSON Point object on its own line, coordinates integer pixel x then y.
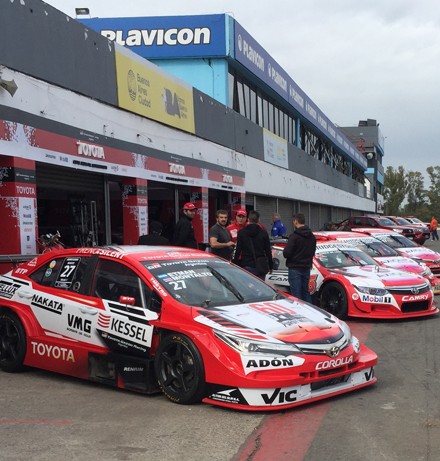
{"type": "Point", "coordinates": [124, 324]}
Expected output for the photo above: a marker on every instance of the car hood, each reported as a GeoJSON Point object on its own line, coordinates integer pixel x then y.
{"type": "Point", "coordinates": [377, 276]}
{"type": "Point", "coordinates": [285, 320]}
{"type": "Point", "coordinates": [400, 263]}
{"type": "Point", "coordinates": [422, 253]}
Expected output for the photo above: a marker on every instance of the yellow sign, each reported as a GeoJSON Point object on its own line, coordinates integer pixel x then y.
{"type": "Point", "coordinates": [146, 92]}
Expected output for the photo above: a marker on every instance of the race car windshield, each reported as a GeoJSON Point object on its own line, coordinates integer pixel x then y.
{"type": "Point", "coordinates": [397, 241]}
{"type": "Point", "coordinates": [344, 258]}
{"type": "Point", "coordinates": [209, 282]}
{"type": "Point", "coordinates": [403, 221]}
{"type": "Point", "coordinates": [386, 222]}
{"type": "Point", "coordinates": [378, 249]}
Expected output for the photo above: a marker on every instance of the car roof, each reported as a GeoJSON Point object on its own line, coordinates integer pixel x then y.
{"type": "Point", "coordinates": [135, 252]}
{"type": "Point", "coordinates": [331, 235]}
{"type": "Point", "coordinates": [373, 230]}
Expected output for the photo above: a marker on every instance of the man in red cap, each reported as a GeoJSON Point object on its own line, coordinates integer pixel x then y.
{"type": "Point", "coordinates": [238, 224]}
{"type": "Point", "coordinates": [184, 231]}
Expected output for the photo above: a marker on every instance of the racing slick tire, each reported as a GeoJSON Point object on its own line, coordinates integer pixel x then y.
{"type": "Point", "coordinates": [333, 299]}
{"type": "Point", "coordinates": [12, 342]}
{"type": "Point", "coordinates": [179, 369]}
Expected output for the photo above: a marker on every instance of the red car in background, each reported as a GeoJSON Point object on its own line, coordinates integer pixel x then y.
{"type": "Point", "coordinates": [383, 254]}
{"type": "Point", "coordinates": [407, 247]}
{"type": "Point", "coordinates": [345, 281]}
{"type": "Point", "coordinates": [417, 222]}
{"type": "Point", "coordinates": [379, 222]}
{"type": "Point", "coordinates": [421, 231]}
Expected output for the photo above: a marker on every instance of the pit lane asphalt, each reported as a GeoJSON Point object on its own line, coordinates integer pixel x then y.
{"type": "Point", "coordinates": [44, 416]}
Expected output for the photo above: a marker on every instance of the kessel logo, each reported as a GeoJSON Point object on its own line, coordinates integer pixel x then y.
{"type": "Point", "coordinates": [333, 351]}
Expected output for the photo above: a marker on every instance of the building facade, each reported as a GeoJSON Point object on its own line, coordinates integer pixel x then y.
{"type": "Point", "coordinates": [97, 141]}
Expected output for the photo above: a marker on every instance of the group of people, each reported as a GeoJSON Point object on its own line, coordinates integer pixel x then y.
{"type": "Point", "coordinates": [246, 243]}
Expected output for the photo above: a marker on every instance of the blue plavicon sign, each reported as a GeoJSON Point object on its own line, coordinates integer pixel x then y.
{"type": "Point", "coordinates": [255, 58]}
{"type": "Point", "coordinates": [166, 36]}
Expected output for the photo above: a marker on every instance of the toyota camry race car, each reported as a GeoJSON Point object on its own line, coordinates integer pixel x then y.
{"type": "Point", "coordinates": [345, 281]}
{"type": "Point", "coordinates": [383, 254]}
{"type": "Point", "coordinates": [195, 326]}
{"type": "Point", "coordinates": [407, 247]}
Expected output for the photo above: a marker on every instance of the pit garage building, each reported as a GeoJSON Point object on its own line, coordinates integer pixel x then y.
{"type": "Point", "coordinates": [96, 141]}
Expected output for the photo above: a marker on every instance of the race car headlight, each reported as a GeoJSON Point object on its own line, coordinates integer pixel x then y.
{"type": "Point", "coordinates": [249, 346]}
{"type": "Point", "coordinates": [356, 344]}
{"type": "Point", "coordinates": [426, 271]}
{"type": "Point", "coordinates": [372, 290]}
{"type": "Point", "coordinates": [398, 230]}
{"type": "Point", "coordinates": [346, 330]}
{"type": "Point", "coordinates": [350, 338]}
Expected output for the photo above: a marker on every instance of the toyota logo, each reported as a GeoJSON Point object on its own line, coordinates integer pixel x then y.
{"type": "Point", "coordinates": [414, 291]}
{"type": "Point", "coordinates": [333, 352]}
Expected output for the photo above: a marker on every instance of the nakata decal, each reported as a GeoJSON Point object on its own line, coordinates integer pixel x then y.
{"type": "Point", "coordinates": [47, 304]}
{"type": "Point", "coordinates": [335, 363]}
{"type": "Point", "coordinates": [53, 352]}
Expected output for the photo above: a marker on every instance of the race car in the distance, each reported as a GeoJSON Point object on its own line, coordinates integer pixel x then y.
{"type": "Point", "coordinates": [407, 247]}
{"type": "Point", "coordinates": [345, 281]}
{"type": "Point", "coordinates": [383, 254]}
{"type": "Point", "coordinates": [195, 326]}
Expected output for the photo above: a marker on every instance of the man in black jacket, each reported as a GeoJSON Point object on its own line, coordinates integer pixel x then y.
{"type": "Point", "coordinates": [252, 244]}
{"type": "Point", "coordinates": [184, 231]}
{"type": "Point", "coordinates": [299, 253]}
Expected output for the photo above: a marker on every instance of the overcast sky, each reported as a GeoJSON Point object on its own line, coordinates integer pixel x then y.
{"type": "Point", "coordinates": [356, 60]}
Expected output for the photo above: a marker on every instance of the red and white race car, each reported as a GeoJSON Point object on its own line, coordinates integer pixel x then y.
{"type": "Point", "coordinates": [407, 247]}
{"type": "Point", "coordinates": [345, 281]}
{"type": "Point", "coordinates": [383, 254]}
{"type": "Point", "coordinates": [195, 326]}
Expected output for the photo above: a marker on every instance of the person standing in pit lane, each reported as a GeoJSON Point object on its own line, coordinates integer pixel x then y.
{"type": "Point", "coordinates": [299, 253]}
{"type": "Point", "coordinates": [239, 223]}
{"type": "Point", "coordinates": [220, 239]}
{"type": "Point", "coordinates": [184, 232]}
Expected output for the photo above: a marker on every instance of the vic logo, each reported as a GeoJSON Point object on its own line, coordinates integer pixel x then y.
{"type": "Point", "coordinates": [280, 397]}
{"type": "Point", "coordinates": [77, 323]}
{"type": "Point", "coordinates": [369, 374]}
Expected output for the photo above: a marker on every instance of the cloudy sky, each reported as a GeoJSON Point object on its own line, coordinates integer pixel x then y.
{"type": "Point", "coordinates": [356, 60]}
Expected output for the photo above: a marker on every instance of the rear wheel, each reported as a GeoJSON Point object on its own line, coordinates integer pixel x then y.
{"type": "Point", "coordinates": [334, 300]}
{"type": "Point", "coordinates": [12, 342]}
{"type": "Point", "coordinates": [179, 369]}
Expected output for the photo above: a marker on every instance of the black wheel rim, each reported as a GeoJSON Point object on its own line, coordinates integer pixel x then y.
{"type": "Point", "coordinates": [177, 369]}
{"type": "Point", "coordinates": [9, 341]}
{"type": "Point", "coordinates": [334, 301]}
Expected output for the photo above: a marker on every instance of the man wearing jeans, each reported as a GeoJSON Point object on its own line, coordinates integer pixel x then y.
{"type": "Point", "coordinates": [299, 253]}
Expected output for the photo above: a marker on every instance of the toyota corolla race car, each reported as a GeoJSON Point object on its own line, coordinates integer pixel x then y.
{"type": "Point", "coordinates": [182, 320]}
{"type": "Point", "coordinates": [383, 254]}
{"type": "Point", "coordinates": [407, 247]}
{"type": "Point", "coordinates": [345, 281]}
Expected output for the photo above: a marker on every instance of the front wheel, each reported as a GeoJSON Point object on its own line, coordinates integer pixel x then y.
{"type": "Point", "coordinates": [179, 369]}
{"type": "Point", "coordinates": [334, 300]}
{"type": "Point", "coordinates": [12, 342]}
